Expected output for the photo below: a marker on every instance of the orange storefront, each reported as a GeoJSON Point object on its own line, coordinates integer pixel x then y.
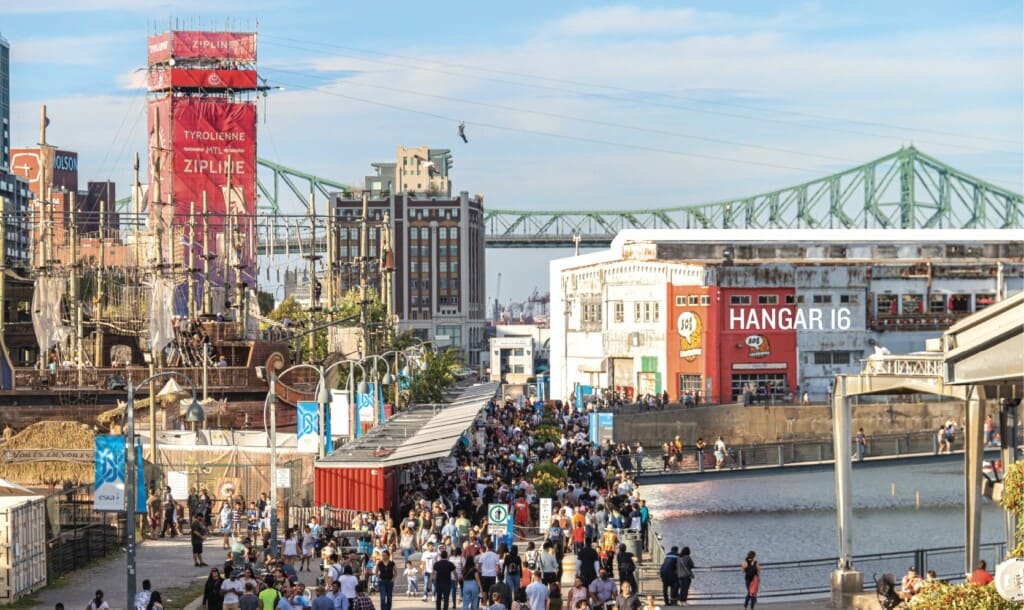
{"type": "Point", "coordinates": [724, 342]}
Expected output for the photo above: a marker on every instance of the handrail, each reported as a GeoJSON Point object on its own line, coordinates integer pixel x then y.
{"type": "Point", "coordinates": [771, 589]}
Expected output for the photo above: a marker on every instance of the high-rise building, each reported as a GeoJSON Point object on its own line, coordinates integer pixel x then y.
{"type": "Point", "coordinates": [418, 169]}
{"type": "Point", "coordinates": [438, 279]}
{"type": "Point", "coordinates": [14, 192]}
{"type": "Point", "coordinates": [5, 104]}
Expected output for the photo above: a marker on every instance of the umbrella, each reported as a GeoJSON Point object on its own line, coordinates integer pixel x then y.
{"type": "Point", "coordinates": [172, 391]}
{"type": "Point", "coordinates": [8, 488]}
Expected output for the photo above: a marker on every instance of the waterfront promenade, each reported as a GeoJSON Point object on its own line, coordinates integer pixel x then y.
{"type": "Point", "coordinates": [167, 563]}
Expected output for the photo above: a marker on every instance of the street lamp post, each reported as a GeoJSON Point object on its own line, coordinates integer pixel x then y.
{"type": "Point", "coordinates": [193, 414]}
{"type": "Point", "coordinates": [399, 373]}
{"type": "Point", "coordinates": [377, 382]}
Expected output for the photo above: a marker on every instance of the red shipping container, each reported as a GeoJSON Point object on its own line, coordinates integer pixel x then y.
{"type": "Point", "coordinates": [356, 488]}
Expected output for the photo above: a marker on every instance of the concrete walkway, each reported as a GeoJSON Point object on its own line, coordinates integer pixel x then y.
{"type": "Point", "coordinates": [167, 563]}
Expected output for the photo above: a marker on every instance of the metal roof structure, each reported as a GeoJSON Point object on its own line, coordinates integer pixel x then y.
{"type": "Point", "coordinates": [420, 433]}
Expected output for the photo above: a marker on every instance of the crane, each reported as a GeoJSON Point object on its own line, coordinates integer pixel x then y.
{"type": "Point", "coordinates": [497, 300]}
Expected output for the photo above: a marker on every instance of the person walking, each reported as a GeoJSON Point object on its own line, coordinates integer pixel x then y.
{"type": "Point", "coordinates": [720, 453]}
{"type": "Point", "coordinates": [752, 578]}
{"type": "Point", "coordinates": [213, 599]}
{"type": "Point", "coordinates": [669, 580]}
{"type": "Point", "coordinates": [168, 506]}
{"type": "Point", "coordinates": [537, 593]}
{"type": "Point", "coordinates": [198, 534]}
{"type": "Point", "coordinates": [470, 586]}
{"type": "Point", "coordinates": [444, 579]}
{"type": "Point", "coordinates": [97, 602]}
{"type": "Point", "coordinates": [862, 444]}
{"type": "Point", "coordinates": [386, 572]}
{"type": "Point", "coordinates": [684, 574]}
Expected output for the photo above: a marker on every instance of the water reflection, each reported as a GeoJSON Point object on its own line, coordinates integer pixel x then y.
{"type": "Point", "coordinates": [790, 517]}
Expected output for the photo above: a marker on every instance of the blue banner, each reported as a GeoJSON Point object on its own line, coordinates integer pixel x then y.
{"type": "Point", "coordinates": [307, 426]}
{"type": "Point", "coordinates": [404, 382]}
{"type": "Point", "coordinates": [140, 479]}
{"type": "Point", "coordinates": [582, 391]}
{"type": "Point", "coordinates": [364, 403]}
{"type": "Point", "coordinates": [108, 494]}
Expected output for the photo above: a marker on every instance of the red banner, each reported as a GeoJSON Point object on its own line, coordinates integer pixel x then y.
{"type": "Point", "coordinates": [159, 47]}
{"type": "Point", "coordinates": [201, 79]}
{"type": "Point", "coordinates": [210, 138]}
{"type": "Point", "coordinates": [203, 45]}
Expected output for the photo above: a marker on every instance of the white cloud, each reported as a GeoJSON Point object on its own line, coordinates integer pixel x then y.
{"type": "Point", "coordinates": [69, 50]}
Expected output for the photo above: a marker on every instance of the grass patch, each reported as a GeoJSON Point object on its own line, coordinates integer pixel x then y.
{"type": "Point", "coordinates": [176, 598]}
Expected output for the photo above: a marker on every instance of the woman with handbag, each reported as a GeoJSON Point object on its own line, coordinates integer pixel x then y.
{"type": "Point", "coordinates": [752, 577]}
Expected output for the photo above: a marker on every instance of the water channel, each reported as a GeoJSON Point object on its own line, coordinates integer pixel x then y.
{"type": "Point", "coordinates": [791, 517]}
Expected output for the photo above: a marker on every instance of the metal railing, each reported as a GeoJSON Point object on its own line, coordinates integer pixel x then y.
{"type": "Point", "coordinates": [788, 453]}
{"type": "Point", "coordinates": [812, 577]}
{"type": "Point", "coordinates": [99, 378]}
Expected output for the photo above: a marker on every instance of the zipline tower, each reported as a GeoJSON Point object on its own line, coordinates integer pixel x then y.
{"type": "Point", "coordinates": [203, 87]}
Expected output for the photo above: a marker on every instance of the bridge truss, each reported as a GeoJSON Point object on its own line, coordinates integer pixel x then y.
{"type": "Point", "coordinates": [904, 190]}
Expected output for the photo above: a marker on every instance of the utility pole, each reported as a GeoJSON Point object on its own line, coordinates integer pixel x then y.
{"type": "Point", "coordinates": [332, 240]}
{"type": "Point", "coordinates": [363, 322]}
{"type": "Point", "coordinates": [207, 297]}
{"type": "Point", "coordinates": [192, 261]}
{"type": "Point", "coordinates": [76, 302]}
{"type": "Point", "coordinates": [312, 256]}
{"type": "Point", "coordinates": [97, 310]}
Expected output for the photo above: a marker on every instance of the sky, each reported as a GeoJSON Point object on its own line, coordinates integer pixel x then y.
{"type": "Point", "coordinates": [568, 105]}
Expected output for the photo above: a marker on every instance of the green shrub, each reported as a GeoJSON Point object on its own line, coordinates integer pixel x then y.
{"type": "Point", "coordinates": [936, 595]}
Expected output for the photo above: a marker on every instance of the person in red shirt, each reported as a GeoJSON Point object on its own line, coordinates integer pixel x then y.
{"type": "Point", "coordinates": [980, 577]}
{"type": "Point", "coordinates": [522, 516]}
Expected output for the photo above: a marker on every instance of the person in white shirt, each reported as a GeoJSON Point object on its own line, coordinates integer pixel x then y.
{"type": "Point", "coordinates": [348, 583]}
{"type": "Point", "coordinates": [427, 559]}
{"type": "Point", "coordinates": [720, 452]}
{"type": "Point", "coordinates": [232, 588]}
{"type": "Point", "coordinates": [488, 562]}
{"type": "Point", "coordinates": [142, 597]}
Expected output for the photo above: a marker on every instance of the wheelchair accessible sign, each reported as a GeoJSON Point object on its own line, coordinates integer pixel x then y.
{"type": "Point", "coordinates": [497, 519]}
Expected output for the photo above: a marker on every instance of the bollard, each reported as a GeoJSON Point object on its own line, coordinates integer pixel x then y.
{"type": "Point", "coordinates": [917, 499]}
{"type": "Point", "coordinates": [893, 490]}
{"type": "Point", "coordinates": [782, 457]}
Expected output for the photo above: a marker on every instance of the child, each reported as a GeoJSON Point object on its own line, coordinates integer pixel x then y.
{"type": "Point", "coordinates": [236, 519]}
{"type": "Point", "coordinates": [253, 517]}
{"type": "Point", "coordinates": [412, 579]}
{"type": "Point", "coordinates": [496, 602]}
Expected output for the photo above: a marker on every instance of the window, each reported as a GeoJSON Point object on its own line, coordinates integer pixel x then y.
{"type": "Point", "coordinates": [694, 299]}
{"type": "Point", "coordinates": [637, 311]}
{"type": "Point", "coordinates": [981, 301]}
{"type": "Point", "coordinates": [517, 352]}
{"type": "Point", "coordinates": [618, 312]}
{"type": "Point", "coordinates": [767, 299]}
{"type": "Point", "coordinates": [592, 312]}
{"type": "Point", "coordinates": [848, 299]}
{"type": "Point", "coordinates": [912, 303]}
{"type": "Point", "coordinates": [443, 267]}
{"type": "Point", "coordinates": [414, 267]}
{"type": "Point", "coordinates": [835, 357]}
{"type": "Point", "coordinates": [822, 298]}
{"type": "Point", "coordinates": [454, 266]}
{"type": "Point", "coordinates": [517, 368]}
{"type": "Point", "coordinates": [790, 299]}
{"type": "Point", "coordinates": [937, 303]}
{"type": "Point", "coordinates": [886, 305]}
{"type": "Point", "coordinates": [705, 300]}
{"type": "Point", "coordinates": [680, 301]}
{"type": "Point", "coordinates": [739, 299]}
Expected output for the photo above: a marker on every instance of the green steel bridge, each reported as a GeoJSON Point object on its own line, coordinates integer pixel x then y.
{"type": "Point", "coordinates": [904, 190]}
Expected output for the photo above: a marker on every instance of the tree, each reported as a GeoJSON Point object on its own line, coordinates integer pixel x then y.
{"type": "Point", "coordinates": [939, 595]}
{"type": "Point", "coordinates": [429, 383]}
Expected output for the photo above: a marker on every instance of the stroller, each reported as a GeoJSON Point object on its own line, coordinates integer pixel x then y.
{"type": "Point", "coordinates": [888, 598]}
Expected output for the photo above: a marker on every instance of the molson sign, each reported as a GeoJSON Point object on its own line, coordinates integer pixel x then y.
{"type": "Point", "coordinates": [202, 45]}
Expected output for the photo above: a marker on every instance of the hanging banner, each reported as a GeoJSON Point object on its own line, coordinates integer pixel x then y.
{"type": "Point", "coordinates": [339, 413]}
{"type": "Point", "coordinates": [582, 393]}
{"type": "Point", "coordinates": [110, 469]}
{"type": "Point", "coordinates": [308, 426]}
{"type": "Point", "coordinates": [364, 402]}
{"type": "Point", "coordinates": [140, 480]}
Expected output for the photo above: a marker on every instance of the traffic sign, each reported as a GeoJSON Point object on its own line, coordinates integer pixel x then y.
{"type": "Point", "coordinates": [497, 514]}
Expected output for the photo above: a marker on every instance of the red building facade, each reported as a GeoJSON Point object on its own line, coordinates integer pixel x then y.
{"type": "Point", "coordinates": [724, 343]}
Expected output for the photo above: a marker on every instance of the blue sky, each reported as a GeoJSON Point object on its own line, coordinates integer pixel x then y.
{"type": "Point", "coordinates": [813, 87]}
